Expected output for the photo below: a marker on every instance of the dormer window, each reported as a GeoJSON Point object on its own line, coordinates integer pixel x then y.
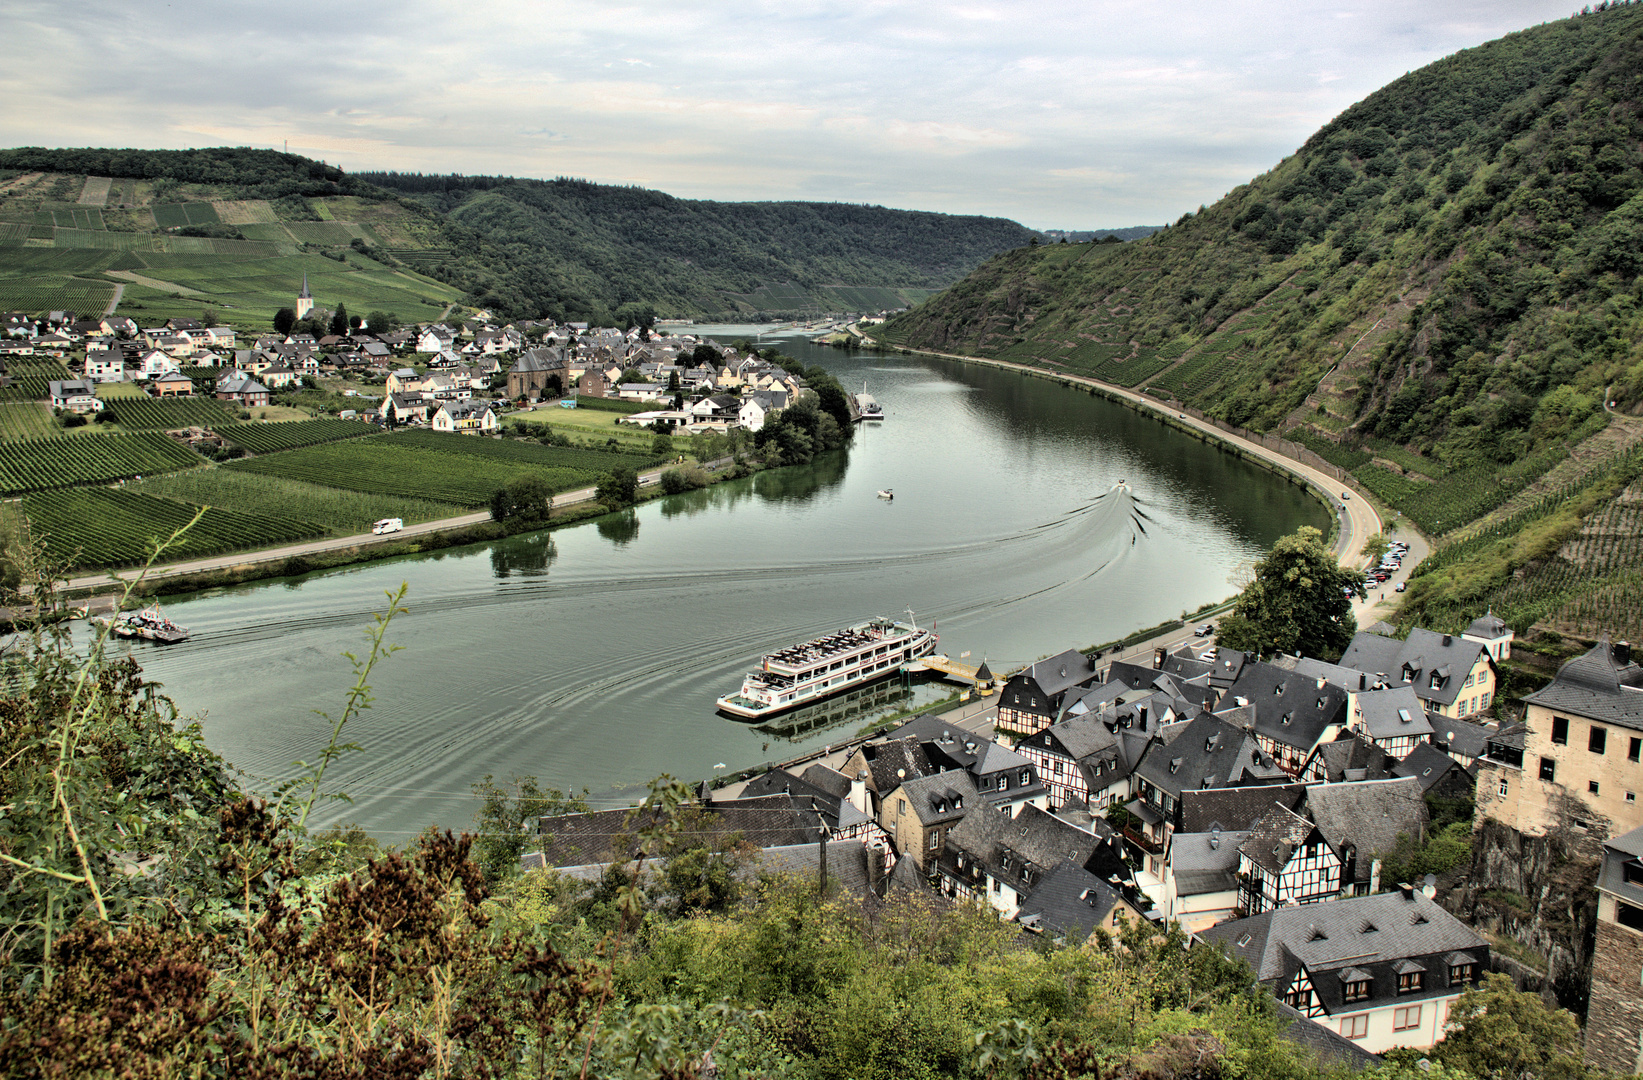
{"type": "Point", "coordinates": [1174, 764]}
{"type": "Point", "coordinates": [1358, 990]}
{"type": "Point", "coordinates": [1461, 974]}
{"type": "Point", "coordinates": [1026, 777]}
{"type": "Point", "coordinates": [1410, 982]}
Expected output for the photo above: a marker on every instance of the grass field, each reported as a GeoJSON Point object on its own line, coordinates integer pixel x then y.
{"type": "Point", "coordinates": [344, 513]}
{"type": "Point", "coordinates": [125, 392]}
{"type": "Point", "coordinates": [94, 527]}
{"type": "Point", "coordinates": [378, 467]}
{"type": "Point", "coordinates": [524, 453]}
{"type": "Point", "coordinates": [41, 464]}
{"type": "Point", "coordinates": [581, 424]}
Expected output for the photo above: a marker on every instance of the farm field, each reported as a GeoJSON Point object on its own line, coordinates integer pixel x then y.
{"type": "Point", "coordinates": [343, 513]}
{"type": "Point", "coordinates": [580, 423]}
{"type": "Point", "coordinates": [558, 457]}
{"type": "Point", "coordinates": [95, 527]}
{"type": "Point", "coordinates": [41, 464]}
{"type": "Point", "coordinates": [26, 420]}
{"type": "Point", "coordinates": [290, 435]}
{"type": "Point", "coordinates": [31, 377]}
{"type": "Point", "coordinates": [376, 466]}
{"type": "Point", "coordinates": [143, 413]}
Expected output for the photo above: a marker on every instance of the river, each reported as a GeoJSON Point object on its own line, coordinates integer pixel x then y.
{"type": "Point", "coordinates": [591, 656]}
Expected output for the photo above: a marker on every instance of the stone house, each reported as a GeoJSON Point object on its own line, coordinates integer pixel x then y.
{"type": "Point", "coordinates": [920, 812]}
{"type": "Point", "coordinates": [1614, 1014]}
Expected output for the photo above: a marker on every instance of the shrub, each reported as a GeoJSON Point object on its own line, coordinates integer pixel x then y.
{"type": "Point", "coordinates": [685, 478]}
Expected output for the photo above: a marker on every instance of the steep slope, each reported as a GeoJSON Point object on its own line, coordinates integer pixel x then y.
{"type": "Point", "coordinates": [238, 228]}
{"type": "Point", "coordinates": [1483, 211]}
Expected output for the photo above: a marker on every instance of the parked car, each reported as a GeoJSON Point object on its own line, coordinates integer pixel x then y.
{"type": "Point", "coordinates": [1205, 630]}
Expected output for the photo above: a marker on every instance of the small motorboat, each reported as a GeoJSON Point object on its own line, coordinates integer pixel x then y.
{"type": "Point", "coordinates": [887, 494]}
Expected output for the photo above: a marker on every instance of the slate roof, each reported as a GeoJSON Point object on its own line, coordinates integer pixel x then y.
{"type": "Point", "coordinates": [1370, 933]}
{"type": "Point", "coordinates": [1392, 713]}
{"type": "Point", "coordinates": [1061, 672]}
{"type": "Point", "coordinates": [1427, 765]}
{"type": "Point", "coordinates": [1353, 756]}
{"type": "Point", "coordinates": [1348, 679]}
{"type": "Point", "coordinates": [1274, 838]}
{"type": "Point", "coordinates": [1020, 850]}
{"type": "Point", "coordinates": [1290, 708]}
{"type": "Point", "coordinates": [839, 812]}
{"type": "Point", "coordinates": [1207, 753]}
{"type": "Point", "coordinates": [1415, 660]}
{"type": "Point", "coordinates": [1488, 626]}
{"type": "Point", "coordinates": [1596, 686]}
{"type": "Point", "coordinates": [1068, 900]}
{"type": "Point", "coordinates": [1369, 816]}
{"type": "Point", "coordinates": [1230, 809]}
{"type": "Point", "coordinates": [1461, 737]}
{"type": "Point", "coordinates": [583, 839]}
{"type": "Point", "coordinates": [1205, 862]}
{"type": "Point", "coordinates": [941, 798]}
{"type": "Point", "coordinates": [1331, 1046]}
{"type": "Point", "coordinates": [1618, 851]}
{"type": "Point", "coordinates": [886, 759]}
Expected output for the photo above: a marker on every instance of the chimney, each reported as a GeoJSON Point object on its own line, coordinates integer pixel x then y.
{"type": "Point", "coordinates": [875, 868]}
{"type": "Point", "coordinates": [1407, 889]}
{"type": "Point", "coordinates": [1363, 681]}
{"type": "Point", "coordinates": [1446, 640]}
{"type": "Point", "coordinates": [1143, 712]}
{"type": "Point", "coordinates": [858, 791]}
{"type": "Point", "coordinates": [1622, 653]}
{"type": "Point", "coordinates": [1321, 683]}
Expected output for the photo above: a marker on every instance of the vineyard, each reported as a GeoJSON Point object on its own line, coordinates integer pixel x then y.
{"type": "Point", "coordinates": [377, 466]}
{"type": "Point", "coordinates": [344, 513]}
{"type": "Point", "coordinates": [41, 464]}
{"type": "Point", "coordinates": [26, 420]}
{"type": "Point", "coordinates": [31, 378]}
{"type": "Point", "coordinates": [269, 438]}
{"type": "Point", "coordinates": [95, 527]}
{"type": "Point", "coordinates": [147, 414]}
{"type": "Point", "coordinates": [526, 453]}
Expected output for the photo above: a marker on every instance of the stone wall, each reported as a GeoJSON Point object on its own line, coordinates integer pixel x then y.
{"type": "Point", "coordinates": [1614, 1018]}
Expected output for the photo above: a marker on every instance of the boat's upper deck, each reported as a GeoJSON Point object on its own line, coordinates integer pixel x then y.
{"type": "Point", "coordinates": [826, 649]}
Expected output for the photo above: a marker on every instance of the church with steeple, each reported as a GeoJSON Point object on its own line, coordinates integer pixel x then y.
{"type": "Point", "coordinates": [305, 300]}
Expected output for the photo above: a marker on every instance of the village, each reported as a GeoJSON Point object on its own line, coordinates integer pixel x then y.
{"type": "Point", "coordinates": [1280, 810]}
{"type": "Point", "coordinates": [451, 378]}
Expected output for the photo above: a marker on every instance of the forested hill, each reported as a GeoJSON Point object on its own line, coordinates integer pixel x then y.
{"type": "Point", "coordinates": [1449, 268]}
{"type": "Point", "coordinates": [520, 248]}
{"type": "Point", "coordinates": [615, 245]}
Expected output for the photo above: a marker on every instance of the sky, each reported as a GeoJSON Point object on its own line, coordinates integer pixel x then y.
{"type": "Point", "coordinates": [1060, 115]}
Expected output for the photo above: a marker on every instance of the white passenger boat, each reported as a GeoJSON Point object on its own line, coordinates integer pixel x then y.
{"type": "Point", "coordinates": [828, 665]}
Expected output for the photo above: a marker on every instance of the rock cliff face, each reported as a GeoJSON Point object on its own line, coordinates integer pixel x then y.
{"type": "Point", "coordinates": [1539, 892]}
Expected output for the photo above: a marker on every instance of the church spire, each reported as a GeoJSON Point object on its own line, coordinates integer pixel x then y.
{"type": "Point", "coordinates": [305, 299]}
{"type": "Point", "coordinates": [304, 294]}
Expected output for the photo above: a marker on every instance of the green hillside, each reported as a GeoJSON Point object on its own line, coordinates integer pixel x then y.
{"type": "Point", "coordinates": [1438, 291]}
{"type": "Point", "coordinates": [237, 229]}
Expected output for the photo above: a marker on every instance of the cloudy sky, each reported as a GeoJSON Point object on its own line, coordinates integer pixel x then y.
{"type": "Point", "coordinates": [1057, 114]}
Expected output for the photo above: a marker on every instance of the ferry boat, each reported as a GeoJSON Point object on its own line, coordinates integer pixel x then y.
{"type": "Point", "coordinates": [147, 624]}
{"type": "Point", "coordinates": [828, 665]}
{"type": "Point", "coordinates": [867, 406]}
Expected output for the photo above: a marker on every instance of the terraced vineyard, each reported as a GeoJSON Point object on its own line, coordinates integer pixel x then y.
{"type": "Point", "coordinates": [147, 414]}
{"type": "Point", "coordinates": [377, 466]}
{"type": "Point", "coordinates": [270, 438]}
{"type": "Point", "coordinates": [344, 513]}
{"type": "Point", "coordinates": [553, 457]}
{"type": "Point", "coordinates": [41, 464]}
{"type": "Point", "coordinates": [95, 527]}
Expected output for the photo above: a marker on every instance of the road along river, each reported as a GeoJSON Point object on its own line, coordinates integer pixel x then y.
{"type": "Point", "coordinates": [592, 656]}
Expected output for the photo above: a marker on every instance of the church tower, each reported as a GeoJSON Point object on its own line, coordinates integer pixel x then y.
{"type": "Point", "coordinates": [305, 301]}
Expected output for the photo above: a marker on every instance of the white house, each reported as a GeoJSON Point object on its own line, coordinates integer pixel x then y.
{"type": "Point", "coordinates": [467, 417]}
{"type": "Point", "coordinates": [74, 395]}
{"type": "Point", "coordinates": [106, 365]}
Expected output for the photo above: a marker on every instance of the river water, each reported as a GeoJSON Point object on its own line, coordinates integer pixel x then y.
{"type": "Point", "coordinates": [591, 657]}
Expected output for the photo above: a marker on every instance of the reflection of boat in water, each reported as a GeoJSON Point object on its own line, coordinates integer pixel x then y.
{"type": "Point", "coordinates": [147, 624]}
{"type": "Point", "coordinates": [828, 665]}
{"type": "Point", "coordinates": [856, 706]}
{"type": "Point", "coordinates": [886, 493]}
{"type": "Point", "coordinates": [867, 406]}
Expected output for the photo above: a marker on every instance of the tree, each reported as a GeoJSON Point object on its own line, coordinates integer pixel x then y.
{"type": "Point", "coordinates": [706, 354]}
{"type": "Point", "coordinates": [661, 445]}
{"type": "Point", "coordinates": [1300, 601]}
{"type": "Point", "coordinates": [506, 812]}
{"type": "Point", "coordinates": [339, 321]}
{"type": "Point", "coordinates": [618, 488]}
{"type": "Point", "coordinates": [381, 322]}
{"type": "Point", "coordinates": [284, 319]}
{"type": "Point", "coordinates": [1497, 1032]}
{"type": "Point", "coordinates": [1375, 547]}
{"type": "Point", "coordinates": [524, 500]}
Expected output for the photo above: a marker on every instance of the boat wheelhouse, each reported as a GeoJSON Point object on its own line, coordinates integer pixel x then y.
{"type": "Point", "coordinates": [828, 665]}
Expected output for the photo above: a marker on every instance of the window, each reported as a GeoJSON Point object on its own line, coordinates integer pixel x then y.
{"type": "Point", "coordinates": [1483, 701]}
{"type": "Point", "coordinates": [903, 808]}
{"type": "Point", "coordinates": [1628, 916]}
{"type": "Point", "coordinates": [1631, 797]}
{"type": "Point", "coordinates": [1560, 730]}
{"type": "Point", "coordinates": [1591, 786]}
{"type": "Point", "coordinates": [1355, 1027]}
{"type": "Point", "coordinates": [1410, 982]}
{"type": "Point", "coordinates": [1298, 998]}
{"type": "Point", "coordinates": [1548, 769]}
{"type": "Point", "coordinates": [935, 839]}
{"type": "Point", "coordinates": [1467, 685]}
{"type": "Point", "coordinates": [1634, 750]}
{"type": "Point", "coordinates": [1358, 991]}
{"type": "Point", "coordinates": [1004, 783]}
{"type": "Point", "coordinates": [1460, 974]}
{"type": "Point", "coordinates": [1503, 789]}
{"type": "Point", "coordinates": [1597, 739]}
{"type": "Point", "coordinates": [1026, 777]}
{"type": "Point", "coordinates": [1116, 916]}
{"type": "Point", "coordinates": [1406, 1018]}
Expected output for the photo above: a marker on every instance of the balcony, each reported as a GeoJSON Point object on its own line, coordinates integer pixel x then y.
{"type": "Point", "coordinates": [1142, 841]}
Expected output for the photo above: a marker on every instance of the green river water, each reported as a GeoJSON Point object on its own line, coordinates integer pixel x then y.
{"type": "Point", "coordinates": [591, 657]}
